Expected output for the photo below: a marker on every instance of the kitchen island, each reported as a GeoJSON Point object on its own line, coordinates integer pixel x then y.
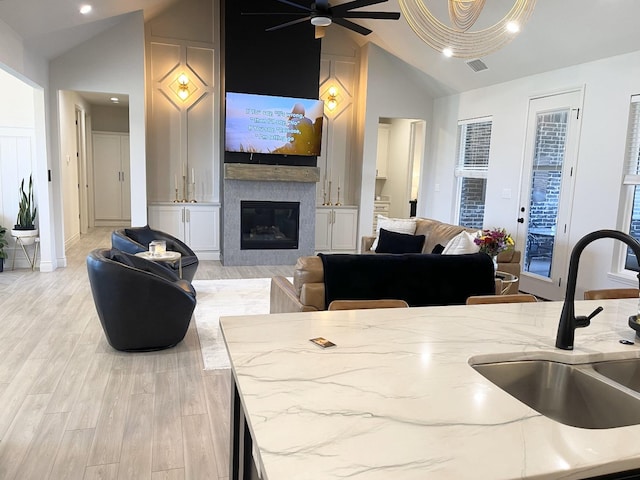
{"type": "Point", "coordinates": [396, 398]}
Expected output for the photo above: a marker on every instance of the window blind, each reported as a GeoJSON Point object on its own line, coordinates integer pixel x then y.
{"type": "Point", "coordinates": [632, 152]}
{"type": "Point", "coordinates": [474, 142]}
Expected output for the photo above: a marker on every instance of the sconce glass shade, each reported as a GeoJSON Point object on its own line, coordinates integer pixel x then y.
{"type": "Point", "coordinates": [183, 93]}
{"type": "Point", "coordinates": [183, 86]}
{"type": "Point", "coordinates": [332, 98]}
{"type": "Point", "coordinates": [459, 40]}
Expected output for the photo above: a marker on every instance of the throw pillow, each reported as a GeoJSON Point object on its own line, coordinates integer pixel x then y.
{"type": "Point", "coordinates": [438, 249]}
{"type": "Point", "coordinates": [393, 242]}
{"type": "Point", "coordinates": [398, 225]}
{"type": "Point", "coordinates": [461, 244]}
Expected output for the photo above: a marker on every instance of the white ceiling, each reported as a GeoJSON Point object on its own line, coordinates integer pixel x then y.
{"type": "Point", "coordinates": [560, 33]}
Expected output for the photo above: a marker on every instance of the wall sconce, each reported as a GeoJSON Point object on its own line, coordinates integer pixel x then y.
{"type": "Point", "coordinates": [183, 86]}
{"type": "Point", "coordinates": [332, 98]}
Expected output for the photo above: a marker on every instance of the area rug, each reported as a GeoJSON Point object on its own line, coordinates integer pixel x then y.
{"type": "Point", "coordinates": [222, 298]}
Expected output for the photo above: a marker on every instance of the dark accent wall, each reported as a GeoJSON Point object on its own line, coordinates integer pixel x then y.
{"type": "Point", "coordinates": [284, 62]}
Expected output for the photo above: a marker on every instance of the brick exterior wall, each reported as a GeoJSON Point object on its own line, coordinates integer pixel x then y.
{"type": "Point", "coordinates": [546, 180]}
{"type": "Point", "coordinates": [476, 145]}
{"type": "Point", "coordinates": [472, 202]}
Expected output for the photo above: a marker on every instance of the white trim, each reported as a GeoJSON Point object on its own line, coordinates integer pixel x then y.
{"type": "Point", "coordinates": [467, 121]}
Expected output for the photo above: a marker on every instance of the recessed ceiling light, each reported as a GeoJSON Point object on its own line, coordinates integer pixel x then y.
{"type": "Point", "coordinates": [85, 9]}
{"type": "Point", "coordinates": [115, 99]}
{"type": "Point", "coordinates": [447, 52]}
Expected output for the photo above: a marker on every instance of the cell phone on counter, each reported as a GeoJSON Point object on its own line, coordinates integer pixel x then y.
{"type": "Point", "coordinates": [322, 342]}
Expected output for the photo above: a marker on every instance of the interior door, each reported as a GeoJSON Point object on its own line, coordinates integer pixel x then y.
{"type": "Point", "coordinates": [553, 128]}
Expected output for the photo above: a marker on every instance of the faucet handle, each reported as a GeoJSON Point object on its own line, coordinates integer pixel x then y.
{"type": "Point", "coordinates": [583, 321]}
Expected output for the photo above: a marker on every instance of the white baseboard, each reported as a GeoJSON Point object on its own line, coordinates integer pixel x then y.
{"type": "Point", "coordinates": [208, 255]}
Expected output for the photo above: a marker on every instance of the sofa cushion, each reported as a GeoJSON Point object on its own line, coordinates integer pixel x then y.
{"type": "Point", "coordinates": [418, 279]}
{"type": "Point", "coordinates": [461, 244]}
{"type": "Point", "coordinates": [398, 225]}
{"type": "Point", "coordinates": [307, 270]}
{"type": "Point", "coordinates": [393, 242]}
{"type": "Point", "coordinates": [438, 232]}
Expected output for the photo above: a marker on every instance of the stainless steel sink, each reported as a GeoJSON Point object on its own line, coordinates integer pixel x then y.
{"type": "Point", "coordinates": [574, 395]}
{"type": "Point", "coordinates": [624, 372]}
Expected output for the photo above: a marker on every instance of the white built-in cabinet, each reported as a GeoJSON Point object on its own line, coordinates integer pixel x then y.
{"type": "Point", "coordinates": [382, 158]}
{"type": "Point", "coordinates": [196, 224]}
{"type": "Point", "coordinates": [111, 182]}
{"type": "Point", "coordinates": [336, 229]}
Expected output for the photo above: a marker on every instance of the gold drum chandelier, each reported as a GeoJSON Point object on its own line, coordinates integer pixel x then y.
{"type": "Point", "coordinates": [458, 40]}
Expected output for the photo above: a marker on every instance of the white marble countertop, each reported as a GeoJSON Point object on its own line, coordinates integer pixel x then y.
{"type": "Point", "coordinates": [397, 398]}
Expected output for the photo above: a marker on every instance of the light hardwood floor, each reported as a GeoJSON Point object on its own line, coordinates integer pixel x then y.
{"type": "Point", "coordinates": [71, 407]}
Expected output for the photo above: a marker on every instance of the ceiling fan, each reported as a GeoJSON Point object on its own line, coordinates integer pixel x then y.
{"type": "Point", "coordinates": [321, 14]}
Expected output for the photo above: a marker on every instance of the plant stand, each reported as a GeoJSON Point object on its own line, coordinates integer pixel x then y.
{"type": "Point", "coordinates": [23, 242]}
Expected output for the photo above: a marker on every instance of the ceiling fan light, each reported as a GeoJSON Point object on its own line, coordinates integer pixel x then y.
{"type": "Point", "coordinates": [320, 21]}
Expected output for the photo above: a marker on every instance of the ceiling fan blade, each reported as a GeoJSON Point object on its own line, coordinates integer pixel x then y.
{"type": "Point", "coordinates": [320, 31]}
{"type": "Point", "coordinates": [339, 9]}
{"type": "Point", "coordinates": [296, 14]}
{"type": "Point", "coordinates": [376, 15]}
{"type": "Point", "coordinates": [352, 26]}
{"type": "Point", "coordinates": [288, 24]}
{"type": "Point", "coordinates": [293, 4]}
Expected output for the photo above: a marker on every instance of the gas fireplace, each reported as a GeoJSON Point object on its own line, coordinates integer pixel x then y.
{"type": "Point", "coordinates": [269, 225]}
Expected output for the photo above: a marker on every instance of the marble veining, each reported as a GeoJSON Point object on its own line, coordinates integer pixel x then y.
{"type": "Point", "coordinates": [397, 397]}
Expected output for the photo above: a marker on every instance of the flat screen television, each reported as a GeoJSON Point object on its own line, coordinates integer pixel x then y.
{"type": "Point", "coordinates": [272, 124]}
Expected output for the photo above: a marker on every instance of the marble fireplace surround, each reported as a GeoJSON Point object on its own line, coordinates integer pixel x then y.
{"type": "Point", "coordinates": [272, 183]}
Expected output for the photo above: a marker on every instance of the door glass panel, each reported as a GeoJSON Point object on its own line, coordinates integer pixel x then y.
{"type": "Point", "coordinates": [545, 191]}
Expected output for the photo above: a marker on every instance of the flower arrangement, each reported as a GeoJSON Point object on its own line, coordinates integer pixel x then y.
{"type": "Point", "coordinates": [494, 241]}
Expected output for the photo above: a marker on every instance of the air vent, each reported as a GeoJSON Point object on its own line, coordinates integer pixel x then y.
{"type": "Point", "coordinates": [477, 65]}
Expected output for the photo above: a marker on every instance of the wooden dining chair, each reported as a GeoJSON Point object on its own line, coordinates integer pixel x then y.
{"type": "Point", "coordinates": [514, 298]}
{"type": "Point", "coordinates": [362, 304]}
{"type": "Point", "coordinates": [608, 293]}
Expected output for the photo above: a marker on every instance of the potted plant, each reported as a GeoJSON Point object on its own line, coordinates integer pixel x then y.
{"type": "Point", "coordinates": [24, 228]}
{"type": "Point", "coordinates": [3, 243]}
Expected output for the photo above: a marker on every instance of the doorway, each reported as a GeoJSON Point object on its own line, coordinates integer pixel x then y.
{"type": "Point", "coordinates": [550, 158]}
{"type": "Point", "coordinates": [398, 165]}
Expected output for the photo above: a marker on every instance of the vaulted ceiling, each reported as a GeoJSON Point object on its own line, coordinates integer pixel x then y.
{"type": "Point", "coordinates": [560, 33]}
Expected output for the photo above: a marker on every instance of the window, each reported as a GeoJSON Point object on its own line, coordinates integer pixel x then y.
{"type": "Point", "coordinates": [474, 140]}
{"type": "Point", "coordinates": [632, 181]}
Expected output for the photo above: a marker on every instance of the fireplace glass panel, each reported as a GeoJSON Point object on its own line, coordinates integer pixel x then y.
{"type": "Point", "coordinates": [269, 225]}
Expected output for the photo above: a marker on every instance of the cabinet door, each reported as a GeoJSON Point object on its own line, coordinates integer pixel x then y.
{"type": "Point", "coordinates": [202, 227]}
{"type": "Point", "coordinates": [345, 229]}
{"type": "Point", "coordinates": [107, 177]}
{"type": "Point", "coordinates": [168, 219]}
{"type": "Point", "coordinates": [323, 229]}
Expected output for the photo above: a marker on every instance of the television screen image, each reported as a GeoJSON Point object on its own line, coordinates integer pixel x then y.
{"type": "Point", "coordinates": [271, 124]}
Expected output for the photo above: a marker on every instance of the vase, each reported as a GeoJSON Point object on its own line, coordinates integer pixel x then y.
{"type": "Point", "coordinates": [495, 263]}
{"type": "Point", "coordinates": [27, 237]}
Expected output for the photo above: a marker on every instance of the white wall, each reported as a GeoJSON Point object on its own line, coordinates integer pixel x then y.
{"type": "Point", "coordinates": [112, 61]}
{"type": "Point", "coordinates": [608, 84]}
{"type": "Point", "coordinates": [69, 174]}
{"type": "Point", "coordinates": [391, 88]}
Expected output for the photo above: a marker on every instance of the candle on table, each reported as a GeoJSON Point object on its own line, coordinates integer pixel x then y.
{"type": "Point", "coordinates": [175, 181]}
{"type": "Point", "coordinates": [193, 175]}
